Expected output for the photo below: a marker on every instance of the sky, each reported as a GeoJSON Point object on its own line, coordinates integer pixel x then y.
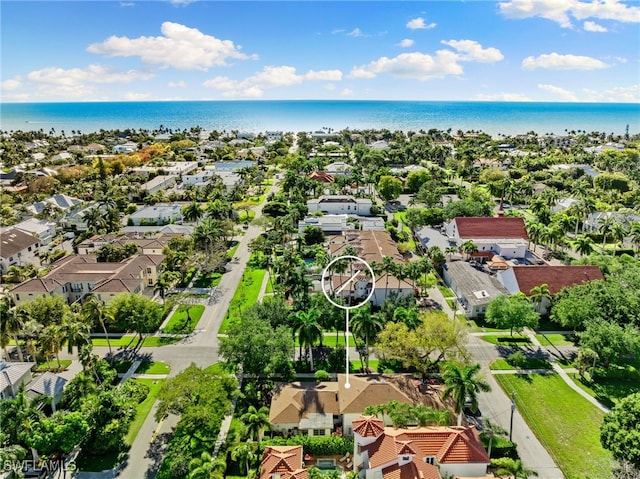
{"type": "Point", "coordinates": [512, 50]}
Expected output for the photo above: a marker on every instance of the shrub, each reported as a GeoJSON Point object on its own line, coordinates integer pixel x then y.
{"type": "Point", "coordinates": [315, 445]}
{"type": "Point", "coordinates": [517, 359]}
{"type": "Point", "coordinates": [321, 375]}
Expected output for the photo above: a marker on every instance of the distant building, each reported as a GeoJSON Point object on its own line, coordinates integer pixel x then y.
{"type": "Point", "coordinates": [18, 248]}
{"type": "Point", "coordinates": [337, 205]}
{"type": "Point", "coordinates": [158, 215]}
{"type": "Point", "coordinates": [159, 183]}
{"type": "Point", "coordinates": [44, 230]}
{"type": "Point", "coordinates": [61, 201]}
{"type": "Point", "coordinates": [564, 204]}
{"type": "Point", "coordinates": [595, 220]}
{"type": "Point", "coordinates": [13, 376]}
{"type": "Point", "coordinates": [504, 236]}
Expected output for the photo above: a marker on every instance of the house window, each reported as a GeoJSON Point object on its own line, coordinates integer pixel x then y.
{"type": "Point", "coordinates": [150, 282]}
{"type": "Point", "coordinates": [406, 458]}
{"type": "Point", "coordinates": [17, 297]}
{"type": "Point", "coordinates": [430, 460]}
{"type": "Point", "coordinates": [10, 258]}
{"type": "Point", "coordinates": [148, 270]}
{"type": "Point", "coordinates": [318, 432]}
{"type": "Point", "coordinates": [29, 248]}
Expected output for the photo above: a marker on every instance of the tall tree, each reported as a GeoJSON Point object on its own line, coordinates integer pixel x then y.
{"type": "Point", "coordinates": [515, 312]}
{"type": "Point", "coordinates": [463, 384]}
{"type": "Point", "coordinates": [96, 311]}
{"type": "Point", "coordinates": [305, 324]}
{"type": "Point", "coordinates": [538, 294]}
{"type": "Point", "coordinates": [366, 327]}
{"type": "Point", "coordinates": [256, 421]}
{"type": "Point", "coordinates": [11, 324]}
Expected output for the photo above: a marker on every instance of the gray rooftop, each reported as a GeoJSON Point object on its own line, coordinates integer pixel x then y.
{"type": "Point", "coordinates": [47, 384]}
{"type": "Point", "coordinates": [11, 373]}
{"type": "Point", "coordinates": [477, 287]}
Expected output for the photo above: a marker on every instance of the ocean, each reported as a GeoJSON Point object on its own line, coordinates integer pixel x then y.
{"type": "Point", "coordinates": [495, 118]}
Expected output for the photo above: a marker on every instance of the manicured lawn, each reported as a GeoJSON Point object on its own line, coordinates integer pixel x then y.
{"type": "Point", "coordinates": [400, 217]}
{"type": "Point", "coordinates": [52, 365]}
{"type": "Point", "coordinates": [97, 463]}
{"type": "Point", "coordinates": [232, 250]}
{"type": "Point", "coordinates": [373, 365]}
{"type": "Point", "coordinates": [480, 326]}
{"type": "Point", "coordinates": [555, 339]}
{"type": "Point", "coordinates": [154, 367]}
{"type": "Point", "coordinates": [246, 295]}
{"type": "Point", "coordinates": [608, 391]}
{"type": "Point", "coordinates": [567, 424]}
{"type": "Point", "coordinates": [446, 292]}
{"type": "Point", "coordinates": [130, 340]}
{"type": "Point", "coordinates": [122, 366]}
{"type": "Point", "coordinates": [143, 409]}
{"type": "Point", "coordinates": [155, 341]}
{"type": "Point", "coordinates": [330, 341]}
{"type": "Point", "coordinates": [207, 280]}
{"type": "Point", "coordinates": [178, 323]}
{"type": "Point", "coordinates": [506, 340]}
{"type": "Point", "coordinates": [531, 363]}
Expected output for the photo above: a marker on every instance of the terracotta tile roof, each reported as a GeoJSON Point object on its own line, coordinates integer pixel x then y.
{"type": "Point", "coordinates": [500, 228]}
{"type": "Point", "coordinates": [456, 444]}
{"type": "Point", "coordinates": [321, 176]}
{"type": "Point", "coordinates": [415, 469]}
{"type": "Point", "coordinates": [556, 277]}
{"type": "Point", "coordinates": [294, 401]}
{"type": "Point", "coordinates": [368, 426]}
{"type": "Point", "coordinates": [283, 460]}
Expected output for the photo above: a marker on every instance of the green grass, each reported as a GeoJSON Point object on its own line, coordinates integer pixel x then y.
{"type": "Point", "coordinates": [567, 424]}
{"type": "Point", "coordinates": [479, 326]}
{"type": "Point", "coordinates": [52, 365]}
{"type": "Point", "coordinates": [143, 409]}
{"type": "Point", "coordinates": [232, 251]}
{"type": "Point", "coordinates": [507, 340]}
{"type": "Point", "coordinates": [608, 391]}
{"type": "Point", "coordinates": [329, 340]}
{"type": "Point", "coordinates": [373, 365]}
{"type": "Point", "coordinates": [400, 216]}
{"type": "Point", "coordinates": [207, 280]}
{"type": "Point", "coordinates": [555, 339]}
{"type": "Point", "coordinates": [131, 340]}
{"type": "Point", "coordinates": [531, 363]}
{"type": "Point", "coordinates": [97, 463]}
{"type": "Point", "coordinates": [246, 294]}
{"type": "Point", "coordinates": [121, 365]}
{"type": "Point", "coordinates": [178, 322]}
{"type": "Point", "coordinates": [446, 292]}
{"type": "Point", "coordinates": [153, 367]}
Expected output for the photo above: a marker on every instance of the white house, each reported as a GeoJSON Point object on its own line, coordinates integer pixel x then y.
{"type": "Point", "coordinates": [595, 220]}
{"type": "Point", "coordinates": [503, 236]}
{"type": "Point", "coordinates": [564, 204]}
{"type": "Point", "coordinates": [128, 147]}
{"type": "Point", "coordinates": [44, 230]}
{"type": "Point", "coordinates": [338, 168]}
{"type": "Point", "coordinates": [159, 183]}
{"type": "Point", "coordinates": [14, 375]}
{"type": "Point", "coordinates": [198, 178]}
{"type": "Point", "coordinates": [18, 248]}
{"type": "Point", "coordinates": [329, 224]}
{"type": "Point", "coordinates": [157, 214]}
{"type": "Point", "coordinates": [341, 204]}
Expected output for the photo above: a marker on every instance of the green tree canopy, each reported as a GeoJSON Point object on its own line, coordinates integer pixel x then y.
{"type": "Point", "coordinates": [620, 430]}
{"type": "Point", "coordinates": [389, 187]}
{"type": "Point", "coordinates": [515, 312]}
{"type": "Point", "coordinates": [136, 312]}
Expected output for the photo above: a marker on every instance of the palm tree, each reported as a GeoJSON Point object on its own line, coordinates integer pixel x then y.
{"type": "Point", "coordinates": [11, 324]}
{"type": "Point", "coordinates": [94, 220]}
{"type": "Point", "coordinates": [256, 421]}
{"type": "Point", "coordinates": [308, 329]}
{"type": "Point", "coordinates": [75, 332]}
{"type": "Point", "coordinates": [449, 250]}
{"type": "Point", "coordinates": [366, 326]}
{"type": "Point", "coordinates": [534, 229]}
{"type": "Point", "coordinates": [192, 212]}
{"type": "Point", "coordinates": [605, 228]}
{"type": "Point", "coordinates": [538, 293]}
{"type": "Point", "coordinates": [463, 385]}
{"type": "Point", "coordinates": [428, 416]}
{"type": "Point", "coordinates": [95, 311]}
{"type": "Point", "coordinates": [205, 467]}
{"type": "Point", "coordinates": [468, 248]}
{"type": "Point", "coordinates": [511, 468]}
{"type": "Point", "coordinates": [491, 429]}
{"type": "Point", "coordinates": [634, 235]}
{"type": "Point", "coordinates": [618, 232]}
{"type": "Point", "coordinates": [51, 341]}
{"type": "Point", "coordinates": [388, 268]}
{"type": "Point", "coordinates": [244, 452]}
{"type": "Point", "coordinates": [583, 245]}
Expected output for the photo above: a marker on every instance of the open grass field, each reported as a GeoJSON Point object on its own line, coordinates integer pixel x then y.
{"type": "Point", "coordinates": [567, 424]}
{"type": "Point", "coordinates": [178, 323]}
{"type": "Point", "coordinates": [143, 409]}
{"type": "Point", "coordinates": [608, 391]}
{"type": "Point", "coordinates": [446, 292]}
{"type": "Point", "coordinates": [153, 367]}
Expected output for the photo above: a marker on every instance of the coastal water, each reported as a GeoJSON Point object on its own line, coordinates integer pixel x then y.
{"type": "Point", "coordinates": [491, 117]}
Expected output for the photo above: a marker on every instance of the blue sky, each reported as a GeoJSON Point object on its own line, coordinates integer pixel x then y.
{"type": "Point", "coordinates": [514, 50]}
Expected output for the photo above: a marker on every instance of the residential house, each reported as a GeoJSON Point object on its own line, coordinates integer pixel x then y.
{"type": "Point", "coordinates": [474, 289]}
{"type": "Point", "coordinates": [282, 462]}
{"type": "Point", "coordinates": [75, 219]}
{"type": "Point", "coordinates": [329, 224]}
{"type": "Point", "coordinates": [76, 276]}
{"type": "Point", "coordinates": [128, 147]}
{"type": "Point", "coordinates": [60, 201]}
{"type": "Point", "coordinates": [199, 178]}
{"type": "Point", "coordinates": [49, 385]}
{"type": "Point", "coordinates": [13, 376]}
{"type": "Point", "coordinates": [321, 177]}
{"type": "Point", "coordinates": [379, 145]}
{"type": "Point", "coordinates": [170, 228]}
{"type": "Point", "coordinates": [340, 204]}
{"type": "Point", "coordinates": [62, 156]}
{"type": "Point", "coordinates": [372, 246]}
{"type": "Point", "coordinates": [504, 236]}
{"type": "Point", "coordinates": [433, 452]}
{"type": "Point", "coordinates": [319, 409]}
{"type": "Point", "coordinates": [159, 183]}
{"type": "Point", "coordinates": [273, 136]}
{"type": "Point", "coordinates": [338, 168]}
{"type": "Point", "coordinates": [152, 244]}
{"type": "Point", "coordinates": [522, 279]}
{"type": "Point", "coordinates": [157, 214]}
{"type": "Point", "coordinates": [44, 230]}
{"type": "Point", "coordinates": [18, 248]}
{"type": "Point", "coordinates": [595, 220]}
{"type": "Point", "coordinates": [564, 204]}
{"type": "Point", "coordinates": [588, 170]}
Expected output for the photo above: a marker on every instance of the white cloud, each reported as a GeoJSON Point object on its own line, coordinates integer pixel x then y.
{"type": "Point", "coordinates": [418, 24]}
{"type": "Point", "coordinates": [356, 32]}
{"type": "Point", "coordinates": [502, 97]}
{"type": "Point", "coordinates": [471, 50]}
{"type": "Point", "coordinates": [132, 96]}
{"type": "Point", "coordinates": [593, 27]}
{"type": "Point", "coordinates": [555, 61]}
{"type": "Point", "coordinates": [565, 95]}
{"type": "Point", "coordinates": [629, 94]}
{"type": "Point", "coordinates": [346, 92]}
{"type": "Point", "coordinates": [561, 11]}
{"type": "Point", "coordinates": [415, 65]}
{"type": "Point", "coordinates": [93, 73]}
{"type": "Point", "coordinates": [177, 84]}
{"type": "Point", "coordinates": [11, 84]}
{"type": "Point", "coordinates": [268, 77]}
{"type": "Point", "coordinates": [323, 75]}
{"type": "Point", "coordinates": [180, 47]}
{"type": "Point", "coordinates": [406, 43]}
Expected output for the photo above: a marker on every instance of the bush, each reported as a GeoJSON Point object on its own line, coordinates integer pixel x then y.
{"type": "Point", "coordinates": [315, 445]}
{"type": "Point", "coordinates": [321, 375]}
{"type": "Point", "coordinates": [517, 359]}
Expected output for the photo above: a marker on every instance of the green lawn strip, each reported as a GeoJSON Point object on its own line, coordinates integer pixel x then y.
{"type": "Point", "coordinates": [530, 363]}
{"type": "Point", "coordinates": [116, 340]}
{"type": "Point", "coordinates": [478, 326]}
{"type": "Point", "coordinates": [555, 339]}
{"type": "Point", "coordinates": [246, 294]}
{"type": "Point", "coordinates": [52, 365]}
{"type": "Point", "coordinates": [506, 339]}
{"type": "Point", "coordinates": [373, 365]}
{"type": "Point", "coordinates": [121, 365]}
{"type": "Point", "coordinates": [400, 217]}
{"type": "Point", "coordinates": [155, 341]}
{"type": "Point", "coordinates": [566, 423]}
{"type": "Point", "coordinates": [446, 292]}
{"type": "Point", "coordinates": [153, 367]}
{"type": "Point", "coordinates": [131, 340]}
{"type": "Point", "coordinates": [232, 251]}
{"type": "Point", "coordinates": [329, 340]}
{"type": "Point", "coordinates": [143, 409]}
{"type": "Point", "coordinates": [606, 390]}
{"type": "Point", "coordinates": [178, 322]}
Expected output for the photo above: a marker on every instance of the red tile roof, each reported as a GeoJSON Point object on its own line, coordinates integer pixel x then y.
{"type": "Point", "coordinates": [320, 176]}
{"type": "Point", "coordinates": [555, 277]}
{"type": "Point", "coordinates": [412, 470]}
{"type": "Point", "coordinates": [499, 228]}
{"type": "Point", "coordinates": [368, 426]}
{"type": "Point", "coordinates": [283, 460]}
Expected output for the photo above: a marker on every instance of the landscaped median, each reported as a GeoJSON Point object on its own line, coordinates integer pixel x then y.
{"type": "Point", "coordinates": [246, 294]}
{"type": "Point", "coordinates": [566, 424]}
{"type": "Point", "coordinates": [128, 340]}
